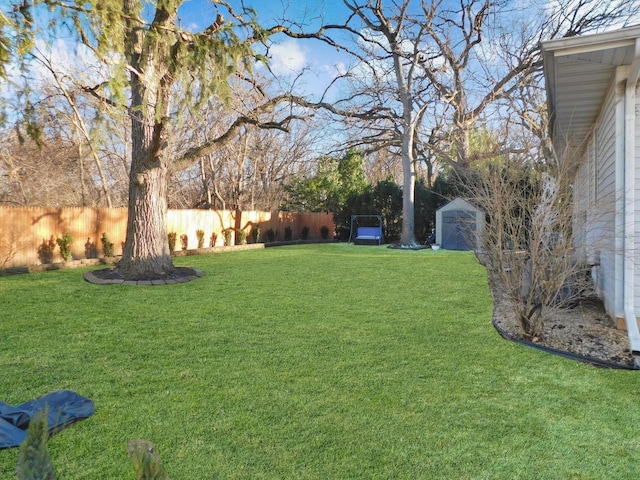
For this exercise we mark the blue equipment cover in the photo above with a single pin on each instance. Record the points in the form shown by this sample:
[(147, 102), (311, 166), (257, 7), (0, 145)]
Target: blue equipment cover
[(65, 408)]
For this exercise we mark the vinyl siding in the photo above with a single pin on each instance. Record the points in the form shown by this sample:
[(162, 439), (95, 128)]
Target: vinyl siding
[(633, 251), (601, 232), (582, 203)]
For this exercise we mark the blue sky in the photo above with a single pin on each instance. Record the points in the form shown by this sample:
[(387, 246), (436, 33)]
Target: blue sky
[(269, 11), (288, 56)]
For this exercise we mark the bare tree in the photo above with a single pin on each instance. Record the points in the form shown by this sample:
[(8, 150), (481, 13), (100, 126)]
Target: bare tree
[(527, 243), (69, 92), (516, 178), (68, 127), (247, 172), (25, 182), (389, 88), (158, 69), (66, 172), (428, 74), (490, 65)]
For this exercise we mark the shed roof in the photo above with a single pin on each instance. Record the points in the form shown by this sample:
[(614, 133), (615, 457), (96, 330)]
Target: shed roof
[(457, 204), (578, 73)]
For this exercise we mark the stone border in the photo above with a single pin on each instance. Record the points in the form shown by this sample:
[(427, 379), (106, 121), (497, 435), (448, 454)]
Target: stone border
[(182, 275)]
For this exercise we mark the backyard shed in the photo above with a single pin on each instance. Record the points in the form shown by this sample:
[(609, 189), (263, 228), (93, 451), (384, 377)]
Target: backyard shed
[(457, 225)]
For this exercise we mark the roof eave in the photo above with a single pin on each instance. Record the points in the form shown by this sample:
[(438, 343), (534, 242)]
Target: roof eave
[(574, 46)]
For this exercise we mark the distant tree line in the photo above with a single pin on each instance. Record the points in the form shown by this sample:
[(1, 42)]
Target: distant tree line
[(340, 186)]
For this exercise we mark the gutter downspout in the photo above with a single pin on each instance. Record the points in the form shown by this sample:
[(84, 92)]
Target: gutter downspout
[(629, 204)]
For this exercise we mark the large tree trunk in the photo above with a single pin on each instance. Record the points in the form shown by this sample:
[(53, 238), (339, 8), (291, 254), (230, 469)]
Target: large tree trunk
[(407, 237), (146, 253)]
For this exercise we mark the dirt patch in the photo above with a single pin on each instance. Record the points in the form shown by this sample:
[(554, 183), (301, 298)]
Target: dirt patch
[(585, 329)]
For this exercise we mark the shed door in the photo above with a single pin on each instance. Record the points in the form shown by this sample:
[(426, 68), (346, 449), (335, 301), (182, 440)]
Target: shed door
[(458, 228)]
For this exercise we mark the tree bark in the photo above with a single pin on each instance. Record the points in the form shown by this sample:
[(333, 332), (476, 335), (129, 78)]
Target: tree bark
[(407, 237), (404, 82), (146, 253)]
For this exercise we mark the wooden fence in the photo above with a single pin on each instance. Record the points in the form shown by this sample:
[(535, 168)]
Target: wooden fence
[(23, 229)]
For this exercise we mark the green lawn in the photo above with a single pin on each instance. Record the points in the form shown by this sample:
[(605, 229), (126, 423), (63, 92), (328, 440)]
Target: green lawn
[(328, 361)]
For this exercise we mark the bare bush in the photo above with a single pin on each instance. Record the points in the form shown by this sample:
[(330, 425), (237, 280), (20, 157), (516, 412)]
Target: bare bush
[(8, 247), (527, 244)]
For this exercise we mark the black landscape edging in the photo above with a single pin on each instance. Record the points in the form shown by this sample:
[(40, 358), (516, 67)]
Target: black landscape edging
[(108, 276), (596, 362), (284, 243)]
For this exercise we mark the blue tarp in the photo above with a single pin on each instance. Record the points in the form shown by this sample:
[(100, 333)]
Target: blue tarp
[(65, 408)]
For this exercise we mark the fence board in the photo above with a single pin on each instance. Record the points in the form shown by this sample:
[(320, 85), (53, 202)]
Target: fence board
[(23, 229)]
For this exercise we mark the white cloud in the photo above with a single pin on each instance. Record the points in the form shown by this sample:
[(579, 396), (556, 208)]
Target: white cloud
[(69, 61), (287, 58), (333, 70), (339, 68)]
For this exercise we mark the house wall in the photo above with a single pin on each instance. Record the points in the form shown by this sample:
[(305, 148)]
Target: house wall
[(602, 235), (634, 251), (595, 204), (601, 189), (605, 200), (582, 206)]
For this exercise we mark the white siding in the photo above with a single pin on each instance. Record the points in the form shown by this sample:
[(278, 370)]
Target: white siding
[(582, 203), (601, 232), (633, 250)]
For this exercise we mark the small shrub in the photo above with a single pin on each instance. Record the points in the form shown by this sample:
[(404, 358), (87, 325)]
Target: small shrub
[(324, 232), (287, 233), (146, 461), (8, 247), (241, 237), (65, 243), (184, 241), (107, 246), (45, 250), (200, 237), (173, 238), (271, 235), (90, 249), (34, 462), (213, 239), (305, 233), (255, 233), (228, 235)]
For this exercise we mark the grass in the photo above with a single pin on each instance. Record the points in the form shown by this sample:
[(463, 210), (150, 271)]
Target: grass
[(310, 362)]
